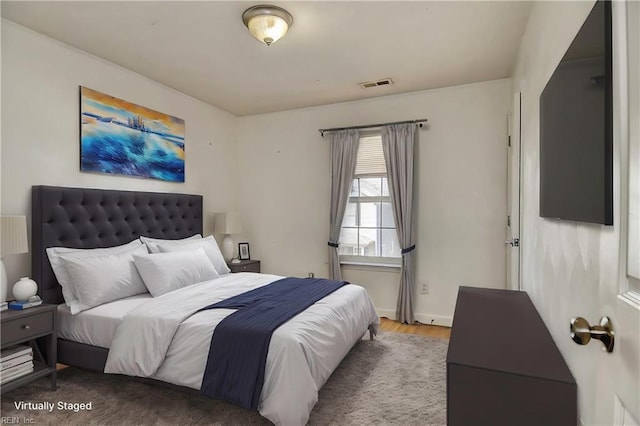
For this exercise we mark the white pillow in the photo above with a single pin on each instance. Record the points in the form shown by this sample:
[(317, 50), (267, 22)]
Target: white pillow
[(60, 271), (209, 245), (103, 278), (147, 240), (165, 272)]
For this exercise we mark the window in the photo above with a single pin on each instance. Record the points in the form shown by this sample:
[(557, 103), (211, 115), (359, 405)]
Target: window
[(368, 228)]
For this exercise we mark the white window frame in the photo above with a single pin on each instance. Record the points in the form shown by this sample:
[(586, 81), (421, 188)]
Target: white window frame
[(361, 260)]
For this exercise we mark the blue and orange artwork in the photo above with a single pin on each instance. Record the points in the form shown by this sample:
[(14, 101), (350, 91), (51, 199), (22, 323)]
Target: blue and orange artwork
[(120, 137)]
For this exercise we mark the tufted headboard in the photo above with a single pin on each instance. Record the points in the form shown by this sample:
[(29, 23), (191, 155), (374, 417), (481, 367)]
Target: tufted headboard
[(90, 218)]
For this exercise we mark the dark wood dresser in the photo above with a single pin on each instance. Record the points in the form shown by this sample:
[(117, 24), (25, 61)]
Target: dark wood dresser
[(503, 367)]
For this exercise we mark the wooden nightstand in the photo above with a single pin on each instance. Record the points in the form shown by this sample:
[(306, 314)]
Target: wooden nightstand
[(245, 266), (27, 326)]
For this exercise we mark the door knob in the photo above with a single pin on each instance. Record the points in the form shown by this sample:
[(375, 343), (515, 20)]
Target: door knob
[(582, 332)]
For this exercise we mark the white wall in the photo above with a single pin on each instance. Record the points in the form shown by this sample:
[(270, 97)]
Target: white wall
[(564, 264), (278, 172), (283, 171), (40, 140)]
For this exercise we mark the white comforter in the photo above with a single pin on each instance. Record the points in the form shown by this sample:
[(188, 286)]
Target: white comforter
[(167, 340)]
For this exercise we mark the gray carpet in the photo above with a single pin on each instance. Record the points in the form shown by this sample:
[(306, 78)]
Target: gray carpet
[(396, 379)]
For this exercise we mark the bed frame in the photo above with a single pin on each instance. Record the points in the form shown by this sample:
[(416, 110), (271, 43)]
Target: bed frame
[(92, 218)]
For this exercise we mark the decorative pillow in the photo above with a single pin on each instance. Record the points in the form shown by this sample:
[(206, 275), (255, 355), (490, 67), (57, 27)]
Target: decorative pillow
[(165, 272), (147, 240), (104, 278), (209, 245), (60, 271)]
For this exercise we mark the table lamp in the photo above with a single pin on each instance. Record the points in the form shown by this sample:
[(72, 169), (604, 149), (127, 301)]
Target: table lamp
[(227, 224), (13, 236)]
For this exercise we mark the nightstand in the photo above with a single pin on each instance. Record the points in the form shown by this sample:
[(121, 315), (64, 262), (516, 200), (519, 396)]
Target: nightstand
[(27, 326), (245, 266)]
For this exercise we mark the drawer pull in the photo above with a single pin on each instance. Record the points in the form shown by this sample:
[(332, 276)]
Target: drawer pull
[(26, 327)]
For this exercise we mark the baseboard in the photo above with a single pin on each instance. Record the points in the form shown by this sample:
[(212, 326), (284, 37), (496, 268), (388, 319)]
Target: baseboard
[(387, 313), (442, 320)]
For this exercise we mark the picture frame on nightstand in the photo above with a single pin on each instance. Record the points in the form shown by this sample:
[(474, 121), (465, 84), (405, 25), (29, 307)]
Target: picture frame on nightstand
[(243, 251)]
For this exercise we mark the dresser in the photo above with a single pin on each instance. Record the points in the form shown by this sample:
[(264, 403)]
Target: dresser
[(31, 326), (503, 367)]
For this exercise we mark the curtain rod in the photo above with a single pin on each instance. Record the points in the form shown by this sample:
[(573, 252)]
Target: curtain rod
[(367, 126)]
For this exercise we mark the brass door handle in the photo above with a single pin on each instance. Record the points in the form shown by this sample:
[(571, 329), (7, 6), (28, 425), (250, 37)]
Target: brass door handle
[(582, 332)]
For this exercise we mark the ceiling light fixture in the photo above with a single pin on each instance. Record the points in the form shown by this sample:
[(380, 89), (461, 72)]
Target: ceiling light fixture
[(267, 23)]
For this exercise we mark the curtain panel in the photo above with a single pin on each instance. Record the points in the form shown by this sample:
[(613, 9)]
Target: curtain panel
[(398, 145), (344, 150)]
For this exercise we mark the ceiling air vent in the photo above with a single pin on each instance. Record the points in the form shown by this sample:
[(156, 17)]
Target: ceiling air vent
[(382, 82)]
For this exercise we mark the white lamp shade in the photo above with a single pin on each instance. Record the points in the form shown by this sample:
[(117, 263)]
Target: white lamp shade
[(227, 223), (13, 233)]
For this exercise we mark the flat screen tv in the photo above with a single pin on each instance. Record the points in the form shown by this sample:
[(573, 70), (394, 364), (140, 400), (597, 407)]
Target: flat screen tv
[(576, 127)]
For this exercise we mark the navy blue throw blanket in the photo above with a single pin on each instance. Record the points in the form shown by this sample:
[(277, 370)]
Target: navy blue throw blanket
[(238, 352)]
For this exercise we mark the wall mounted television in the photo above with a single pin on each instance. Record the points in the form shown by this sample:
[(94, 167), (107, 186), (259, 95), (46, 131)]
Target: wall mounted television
[(576, 127)]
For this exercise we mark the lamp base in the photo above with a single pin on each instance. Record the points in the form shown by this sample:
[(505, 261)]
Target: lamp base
[(227, 247)]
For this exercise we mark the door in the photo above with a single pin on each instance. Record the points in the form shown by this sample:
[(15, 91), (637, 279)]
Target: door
[(512, 241), (617, 396)]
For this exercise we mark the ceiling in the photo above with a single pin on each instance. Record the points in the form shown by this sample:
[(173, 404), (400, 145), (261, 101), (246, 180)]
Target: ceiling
[(204, 50)]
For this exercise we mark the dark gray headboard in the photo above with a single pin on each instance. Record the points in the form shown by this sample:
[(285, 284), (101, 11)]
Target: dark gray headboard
[(90, 218)]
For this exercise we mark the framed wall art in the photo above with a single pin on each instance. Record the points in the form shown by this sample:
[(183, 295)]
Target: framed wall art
[(243, 251), (119, 137)]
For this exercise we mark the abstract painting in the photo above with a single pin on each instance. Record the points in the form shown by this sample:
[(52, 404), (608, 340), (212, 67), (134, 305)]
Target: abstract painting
[(120, 137)]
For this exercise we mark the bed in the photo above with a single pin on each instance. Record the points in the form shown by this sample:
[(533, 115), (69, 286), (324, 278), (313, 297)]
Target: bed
[(302, 354)]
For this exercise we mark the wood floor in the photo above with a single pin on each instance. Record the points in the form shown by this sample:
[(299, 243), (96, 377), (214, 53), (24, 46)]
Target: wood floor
[(420, 329)]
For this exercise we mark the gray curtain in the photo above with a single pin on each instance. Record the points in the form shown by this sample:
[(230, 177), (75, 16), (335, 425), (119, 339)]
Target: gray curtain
[(344, 150), (398, 144)]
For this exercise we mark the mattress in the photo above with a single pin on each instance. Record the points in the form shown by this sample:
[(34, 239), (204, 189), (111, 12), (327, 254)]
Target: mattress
[(96, 326)]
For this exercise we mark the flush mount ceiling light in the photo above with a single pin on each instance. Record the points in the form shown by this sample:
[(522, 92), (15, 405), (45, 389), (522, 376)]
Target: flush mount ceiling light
[(267, 23)]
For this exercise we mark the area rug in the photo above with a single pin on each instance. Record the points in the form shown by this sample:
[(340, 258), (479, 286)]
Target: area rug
[(395, 379)]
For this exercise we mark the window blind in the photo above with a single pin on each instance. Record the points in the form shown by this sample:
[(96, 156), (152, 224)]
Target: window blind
[(370, 160)]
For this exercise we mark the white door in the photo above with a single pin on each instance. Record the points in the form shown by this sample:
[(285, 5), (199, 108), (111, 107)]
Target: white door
[(617, 398), (512, 241)]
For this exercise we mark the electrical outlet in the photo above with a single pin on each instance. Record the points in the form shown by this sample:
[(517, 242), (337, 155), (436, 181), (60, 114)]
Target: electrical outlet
[(424, 287), (311, 275)]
